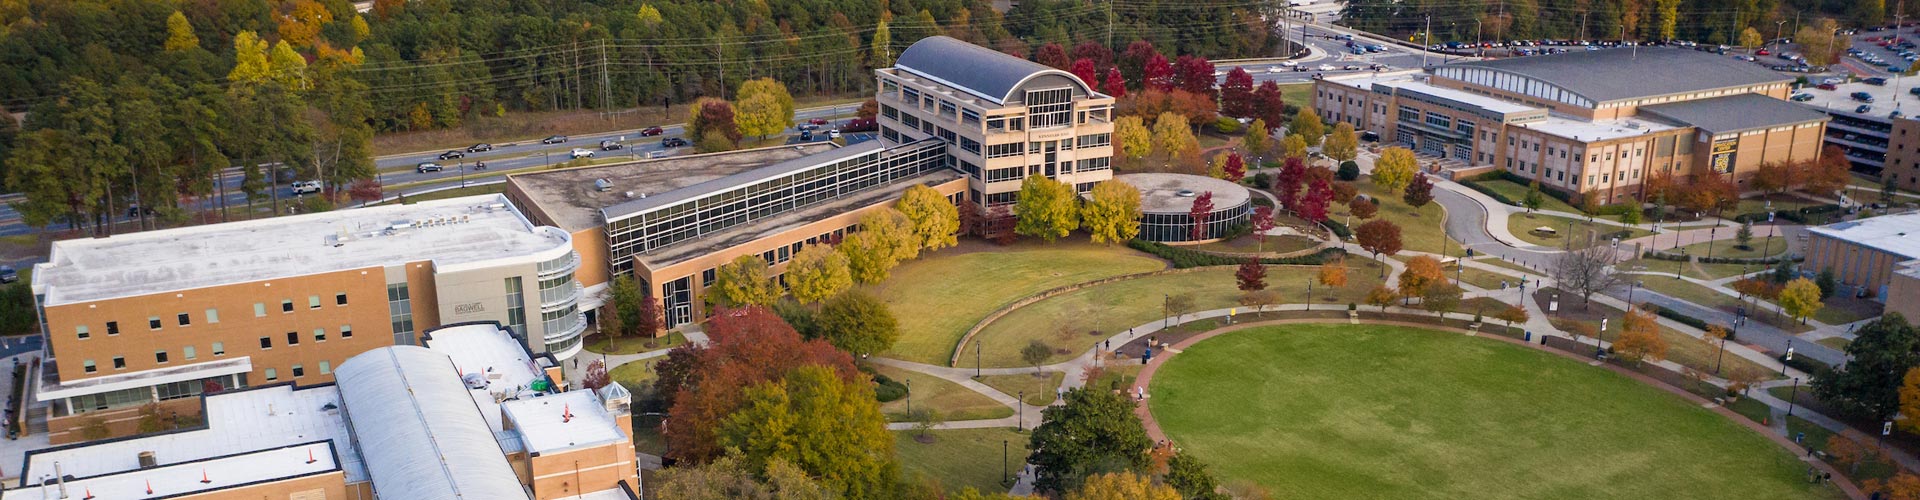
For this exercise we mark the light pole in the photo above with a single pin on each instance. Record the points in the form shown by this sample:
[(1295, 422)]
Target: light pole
[(1795, 395), (976, 359), (1020, 423), (1479, 44), (1630, 288), (1427, 48), (1788, 357), (1711, 231), (1309, 295), (909, 395), (1006, 474), (1776, 29), (1166, 311)]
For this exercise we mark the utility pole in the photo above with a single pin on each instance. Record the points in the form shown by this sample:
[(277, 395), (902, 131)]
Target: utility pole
[(606, 92), (1777, 25), (1110, 25), (1480, 44), (1427, 47)]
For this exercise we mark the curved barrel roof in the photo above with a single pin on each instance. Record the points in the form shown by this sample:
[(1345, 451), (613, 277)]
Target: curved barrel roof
[(408, 403), (985, 72), (1624, 73)]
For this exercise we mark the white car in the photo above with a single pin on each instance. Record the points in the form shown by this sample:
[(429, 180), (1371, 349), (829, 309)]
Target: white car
[(1327, 67), (1833, 81), (306, 187), (833, 134), (579, 153), (1273, 69)]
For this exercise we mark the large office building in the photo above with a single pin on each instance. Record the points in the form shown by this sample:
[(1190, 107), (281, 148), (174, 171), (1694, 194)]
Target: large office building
[(1595, 123), (1879, 140), (967, 121), (470, 414), (159, 316)]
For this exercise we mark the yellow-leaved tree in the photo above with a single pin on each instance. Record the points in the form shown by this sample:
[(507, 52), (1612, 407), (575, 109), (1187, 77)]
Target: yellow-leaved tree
[(1131, 136), (1394, 169), (744, 282), (818, 273), (1800, 299), (1640, 337), (1113, 213), (935, 221), (180, 35)]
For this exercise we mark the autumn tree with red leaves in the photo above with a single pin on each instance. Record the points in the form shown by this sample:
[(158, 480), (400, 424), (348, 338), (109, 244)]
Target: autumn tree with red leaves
[(1084, 69), (1419, 192), (1262, 221), (1236, 94), (1053, 55), (1195, 74), (1115, 85), (1094, 51), (1378, 237), (1286, 186), (1202, 206), (1313, 207), (1252, 276), (746, 347), (1270, 105), (1157, 73), (1236, 167)]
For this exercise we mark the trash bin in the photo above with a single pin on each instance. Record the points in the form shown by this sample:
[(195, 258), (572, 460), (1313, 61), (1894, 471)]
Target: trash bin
[(1528, 336)]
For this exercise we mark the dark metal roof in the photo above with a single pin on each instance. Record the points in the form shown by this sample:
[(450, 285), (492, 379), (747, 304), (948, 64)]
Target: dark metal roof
[(985, 72), (1620, 73), (1735, 113)]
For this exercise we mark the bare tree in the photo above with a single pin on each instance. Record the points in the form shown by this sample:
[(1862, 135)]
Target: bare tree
[(1587, 270)]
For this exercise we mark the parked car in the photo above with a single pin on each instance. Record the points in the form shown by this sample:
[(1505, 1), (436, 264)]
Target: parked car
[(674, 142), (1914, 91), (817, 121), (1802, 97), (1862, 97), (8, 275), (449, 155), (1833, 81), (554, 139), (1351, 67), (305, 187), (1326, 67), (1762, 52), (427, 166), (833, 134), (611, 145), (806, 135), (1863, 109), (1875, 81), (651, 131), (479, 147), (859, 125), (1826, 86), (578, 153)]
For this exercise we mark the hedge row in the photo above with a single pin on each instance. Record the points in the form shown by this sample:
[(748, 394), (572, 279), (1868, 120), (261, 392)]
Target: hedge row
[(1799, 216), (1812, 366), (1184, 258), (1672, 257), (1475, 185), (1685, 319), (1339, 229)]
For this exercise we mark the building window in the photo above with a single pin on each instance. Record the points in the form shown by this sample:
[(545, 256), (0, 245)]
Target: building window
[(220, 348), (340, 299), (1005, 174), (88, 366), (185, 319), (707, 277), (400, 308), (1050, 108), (81, 331), (213, 316), (516, 306), (1095, 140), (259, 310), (160, 357), (293, 338), (119, 363), (153, 322), (286, 306), (319, 335), (1003, 150), (326, 368), (299, 371), (266, 343), (313, 302), (113, 328), (273, 374), (346, 331), (188, 353)]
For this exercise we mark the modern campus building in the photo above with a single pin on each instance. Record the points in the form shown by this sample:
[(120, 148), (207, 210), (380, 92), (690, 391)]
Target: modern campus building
[(1166, 206), (473, 415), (1869, 254), (967, 121), (1598, 121), (1879, 141), (160, 316)]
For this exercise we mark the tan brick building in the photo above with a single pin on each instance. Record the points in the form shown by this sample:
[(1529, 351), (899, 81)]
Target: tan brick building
[(1599, 122), (161, 316), (1865, 255), (473, 415)]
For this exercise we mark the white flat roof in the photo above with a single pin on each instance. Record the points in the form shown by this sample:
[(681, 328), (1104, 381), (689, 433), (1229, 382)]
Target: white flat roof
[(239, 422), (574, 419), (1411, 80), (450, 231), (1599, 130), (144, 378), (1895, 234), (186, 478), (499, 361), (1840, 100)]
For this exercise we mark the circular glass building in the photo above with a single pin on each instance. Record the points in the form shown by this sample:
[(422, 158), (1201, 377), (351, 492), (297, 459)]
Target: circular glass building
[(1166, 206)]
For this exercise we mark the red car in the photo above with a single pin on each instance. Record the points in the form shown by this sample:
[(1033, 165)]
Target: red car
[(818, 121), (651, 131), (1762, 52), (1826, 86)]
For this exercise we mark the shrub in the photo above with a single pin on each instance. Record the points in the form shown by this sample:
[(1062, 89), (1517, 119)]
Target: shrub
[(888, 390), (1227, 125), (1349, 171), (1812, 366), (1262, 180), (1339, 229), (1183, 258)]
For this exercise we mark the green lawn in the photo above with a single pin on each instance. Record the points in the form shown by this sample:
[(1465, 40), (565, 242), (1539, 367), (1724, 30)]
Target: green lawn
[(1522, 226), (1250, 245), (1701, 295), (1498, 262), (1038, 390), (1684, 349), (1518, 192), (1482, 278), (1781, 203), (962, 458), (954, 401), (1838, 343), (604, 344), (636, 376), (1298, 95), (1730, 249), (939, 296), (1694, 269), (1338, 411), (1064, 321), (1420, 230)]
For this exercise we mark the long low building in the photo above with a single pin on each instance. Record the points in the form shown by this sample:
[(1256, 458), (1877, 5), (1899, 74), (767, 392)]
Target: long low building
[(1596, 123), (472, 414), (1866, 256), (155, 317)]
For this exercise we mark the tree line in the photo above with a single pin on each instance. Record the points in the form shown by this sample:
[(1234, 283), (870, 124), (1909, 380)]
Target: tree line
[(1704, 21)]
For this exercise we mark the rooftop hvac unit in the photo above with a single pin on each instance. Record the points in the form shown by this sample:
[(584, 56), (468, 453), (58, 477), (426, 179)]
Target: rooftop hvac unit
[(148, 460)]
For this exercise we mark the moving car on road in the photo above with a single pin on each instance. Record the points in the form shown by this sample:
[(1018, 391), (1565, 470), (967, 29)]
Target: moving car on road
[(452, 154), (651, 131), (674, 142), (555, 139), (611, 145), (578, 153), (427, 166), (479, 147), (305, 187)]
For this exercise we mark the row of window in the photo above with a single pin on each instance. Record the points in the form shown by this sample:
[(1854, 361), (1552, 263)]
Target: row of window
[(189, 353), (84, 332)]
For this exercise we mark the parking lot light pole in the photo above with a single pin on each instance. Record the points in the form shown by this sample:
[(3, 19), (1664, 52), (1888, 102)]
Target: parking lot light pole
[(1795, 395)]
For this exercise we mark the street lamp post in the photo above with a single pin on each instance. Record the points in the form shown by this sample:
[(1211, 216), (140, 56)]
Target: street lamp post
[(1309, 295), (1020, 423), (1711, 231), (1006, 474), (1795, 395), (1776, 29), (909, 395), (976, 359), (1789, 356), (1630, 288)]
